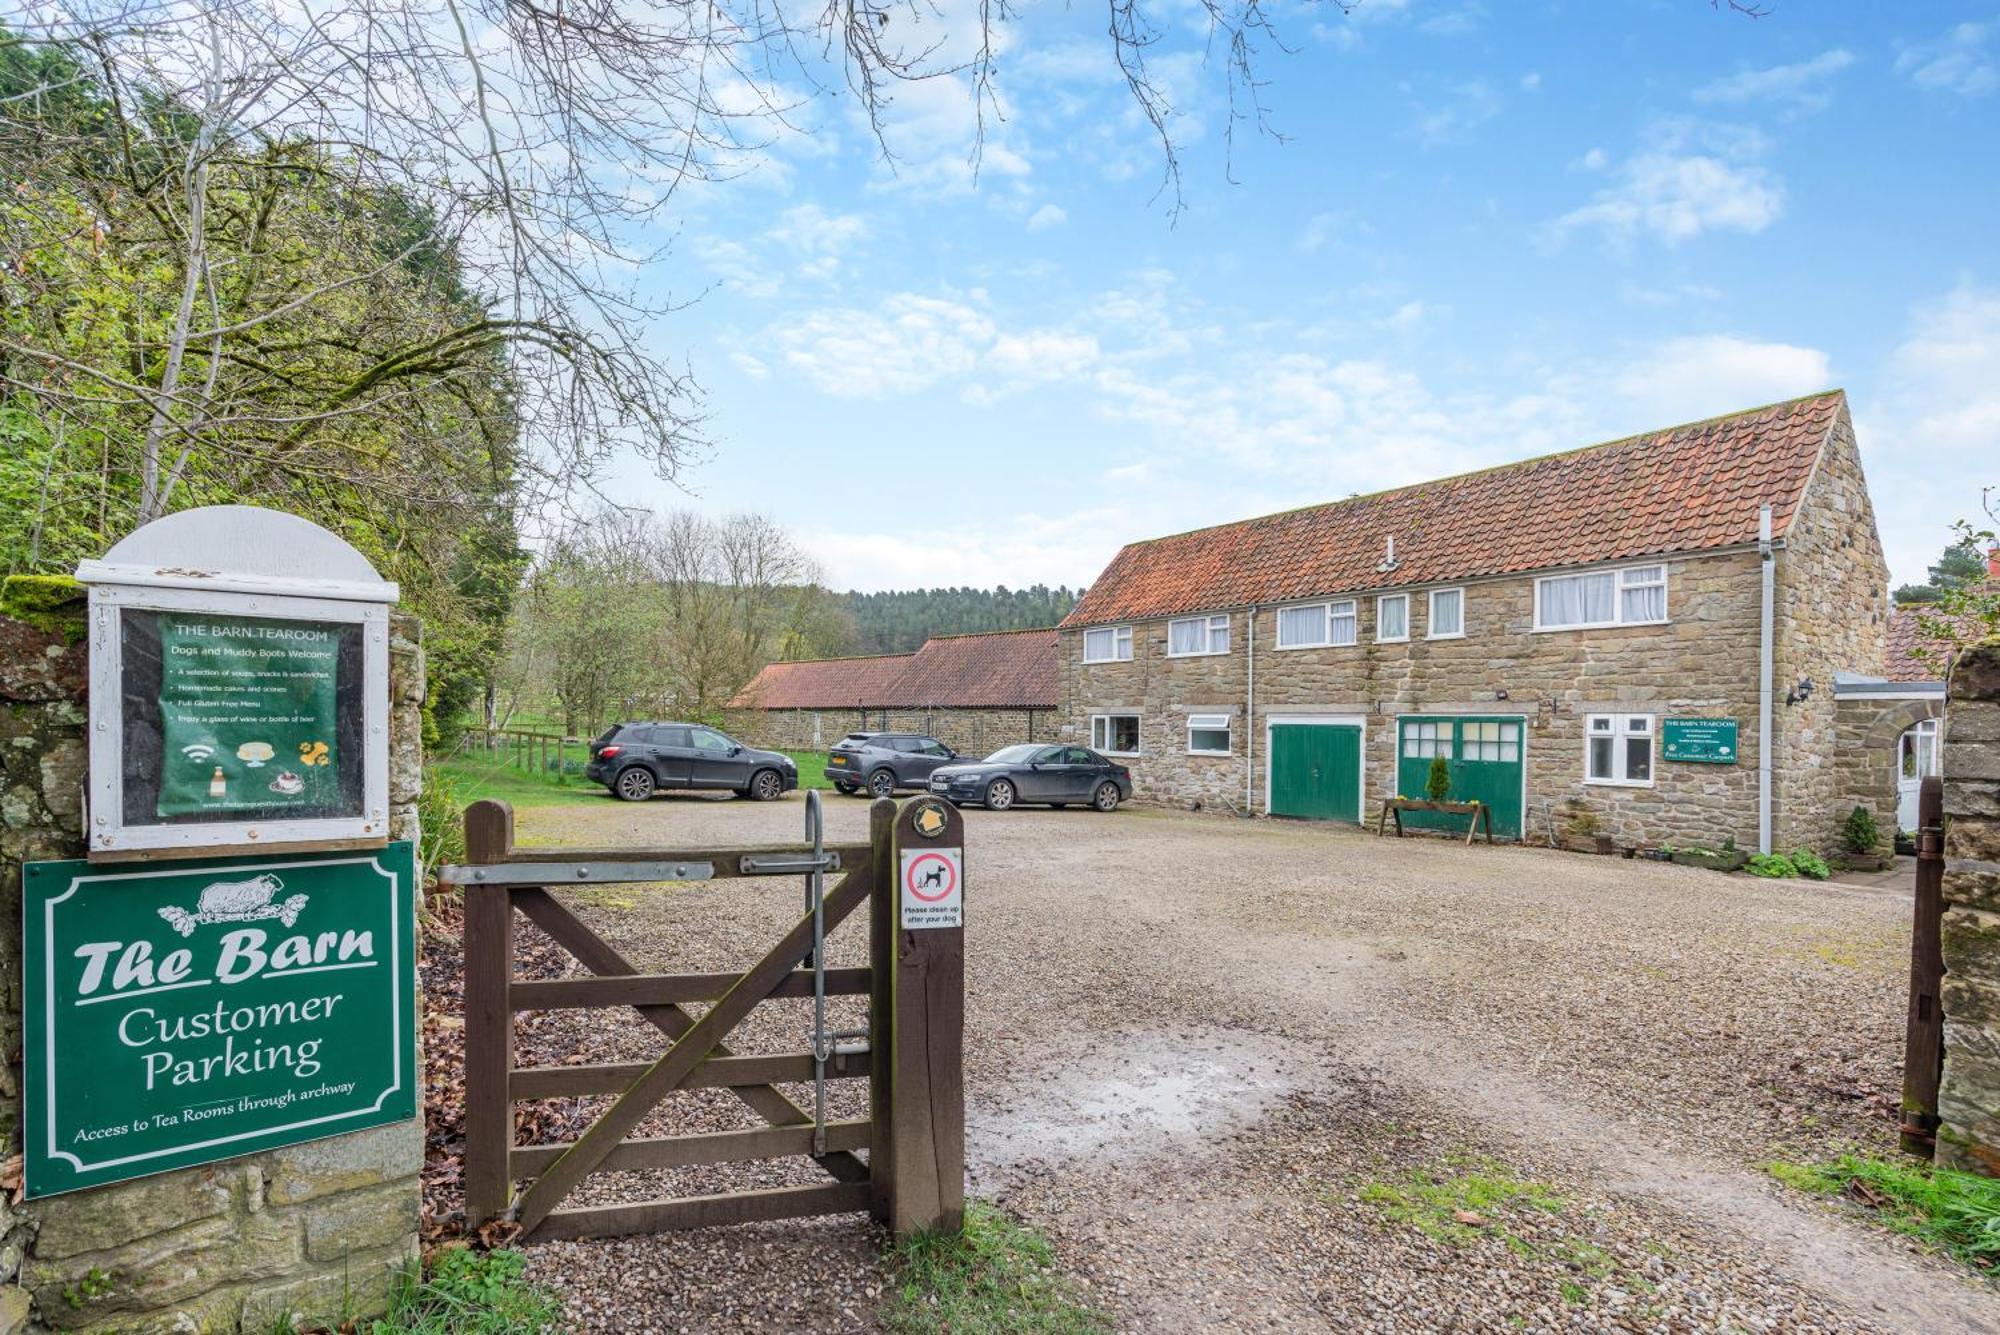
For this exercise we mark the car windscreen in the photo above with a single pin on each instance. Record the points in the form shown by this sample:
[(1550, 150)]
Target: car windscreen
[(1015, 755)]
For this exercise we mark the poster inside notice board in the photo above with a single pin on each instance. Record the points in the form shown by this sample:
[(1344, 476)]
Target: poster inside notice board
[(234, 718)]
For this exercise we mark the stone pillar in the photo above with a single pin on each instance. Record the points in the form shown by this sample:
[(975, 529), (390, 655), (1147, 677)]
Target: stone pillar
[(1969, 1101), (312, 1234)]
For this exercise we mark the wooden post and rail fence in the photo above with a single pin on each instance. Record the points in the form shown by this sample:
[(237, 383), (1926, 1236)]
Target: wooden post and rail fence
[(911, 1055), (526, 749)]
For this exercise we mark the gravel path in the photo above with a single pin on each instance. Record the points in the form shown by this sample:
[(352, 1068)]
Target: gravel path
[(1218, 1060)]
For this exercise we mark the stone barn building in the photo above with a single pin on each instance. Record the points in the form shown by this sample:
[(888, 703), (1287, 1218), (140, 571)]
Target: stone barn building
[(1594, 642), (974, 693)]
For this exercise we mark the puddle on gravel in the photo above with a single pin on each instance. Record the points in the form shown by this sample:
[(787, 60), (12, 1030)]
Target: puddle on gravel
[(1133, 1094)]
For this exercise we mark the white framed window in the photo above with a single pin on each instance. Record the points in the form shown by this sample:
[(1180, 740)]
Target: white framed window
[(1208, 735), (1489, 740), (1392, 617), (1447, 621), (1634, 596), (1115, 734), (1316, 625), (1193, 637), (1618, 749), (1423, 740), (1108, 644)]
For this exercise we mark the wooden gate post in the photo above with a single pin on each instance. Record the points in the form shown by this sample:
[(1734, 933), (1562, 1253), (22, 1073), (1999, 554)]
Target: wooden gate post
[(881, 1003), (926, 1160), (489, 1017), (1923, 1047)]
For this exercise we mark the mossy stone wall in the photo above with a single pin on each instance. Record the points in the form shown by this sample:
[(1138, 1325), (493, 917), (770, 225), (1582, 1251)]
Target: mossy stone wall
[(312, 1234), (1969, 1101)]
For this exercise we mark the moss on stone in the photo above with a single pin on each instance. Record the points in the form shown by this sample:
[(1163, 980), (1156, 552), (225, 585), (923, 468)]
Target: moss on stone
[(53, 604)]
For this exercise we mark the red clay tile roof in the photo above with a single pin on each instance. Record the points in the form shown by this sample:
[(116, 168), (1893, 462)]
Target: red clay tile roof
[(823, 683), (1014, 669), (1009, 669), (1688, 488), (1914, 655)]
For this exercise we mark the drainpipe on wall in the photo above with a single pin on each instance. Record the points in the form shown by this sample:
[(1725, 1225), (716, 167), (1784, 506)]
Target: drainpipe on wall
[(1767, 558), (1250, 721)]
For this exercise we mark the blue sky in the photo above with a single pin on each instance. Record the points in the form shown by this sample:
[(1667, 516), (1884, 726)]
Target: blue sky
[(1489, 232)]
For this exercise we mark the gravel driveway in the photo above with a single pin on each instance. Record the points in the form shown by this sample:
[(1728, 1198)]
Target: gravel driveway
[(1253, 1075)]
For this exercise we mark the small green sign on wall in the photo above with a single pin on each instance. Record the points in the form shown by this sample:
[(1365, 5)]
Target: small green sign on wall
[(180, 1014), (1700, 741)]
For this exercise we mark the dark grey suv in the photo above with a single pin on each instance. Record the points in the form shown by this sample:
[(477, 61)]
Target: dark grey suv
[(636, 760), (882, 762)]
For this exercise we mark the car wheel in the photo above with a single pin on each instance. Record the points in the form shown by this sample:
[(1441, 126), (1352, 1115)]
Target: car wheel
[(765, 786), (1106, 798), (999, 795), (848, 789), (882, 783), (634, 783)]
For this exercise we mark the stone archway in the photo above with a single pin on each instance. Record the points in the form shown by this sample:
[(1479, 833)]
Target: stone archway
[(1871, 729)]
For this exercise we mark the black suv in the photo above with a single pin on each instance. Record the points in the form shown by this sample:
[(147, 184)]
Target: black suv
[(882, 762), (636, 760)]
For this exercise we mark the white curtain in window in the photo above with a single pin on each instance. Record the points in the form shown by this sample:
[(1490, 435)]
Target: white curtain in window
[(1187, 637), (1301, 625), (1645, 602), (1342, 624), (1218, 635), (1579, 600), (1392, 617), (1447, 612)]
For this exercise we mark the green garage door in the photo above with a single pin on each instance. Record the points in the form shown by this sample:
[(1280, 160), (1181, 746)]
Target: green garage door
[(1487, 757), (1316, 771)]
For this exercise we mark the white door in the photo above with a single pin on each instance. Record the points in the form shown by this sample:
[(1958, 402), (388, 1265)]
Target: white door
[(1916, 759)]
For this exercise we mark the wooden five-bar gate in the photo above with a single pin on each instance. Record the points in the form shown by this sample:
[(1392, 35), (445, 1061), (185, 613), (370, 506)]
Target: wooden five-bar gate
[(910, 1052)]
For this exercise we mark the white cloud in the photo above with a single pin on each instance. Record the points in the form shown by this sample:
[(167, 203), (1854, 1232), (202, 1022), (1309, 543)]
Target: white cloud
[(1531, 82), (1047, 216), (1691, 179), (1805, 86), (906, 344), (1454, 114), (1933, 440), (1959, 62), (1014, 550), (750, 366), (1685, 379)]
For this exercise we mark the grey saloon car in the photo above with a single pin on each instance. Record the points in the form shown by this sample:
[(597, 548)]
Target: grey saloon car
[(1030, 772), (882, 762), (636, 760)]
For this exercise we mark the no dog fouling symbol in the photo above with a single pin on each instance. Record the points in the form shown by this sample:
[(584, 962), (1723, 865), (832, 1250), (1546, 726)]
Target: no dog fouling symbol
[(933, 888)]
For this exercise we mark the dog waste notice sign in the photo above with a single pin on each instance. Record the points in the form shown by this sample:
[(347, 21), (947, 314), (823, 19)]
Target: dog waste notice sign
[(180, 1014), (933, 888), (247, 714)]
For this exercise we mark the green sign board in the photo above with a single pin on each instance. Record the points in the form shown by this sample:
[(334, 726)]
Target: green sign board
[(1701, 741), (182, 1013), (247, 715)]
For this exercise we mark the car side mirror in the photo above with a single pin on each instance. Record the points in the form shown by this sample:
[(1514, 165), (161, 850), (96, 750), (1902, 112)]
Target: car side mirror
[(735, 750)]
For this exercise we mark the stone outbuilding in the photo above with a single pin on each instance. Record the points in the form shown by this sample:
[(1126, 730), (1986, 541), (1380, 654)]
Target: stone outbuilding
[(1597, 641), (975, 693)]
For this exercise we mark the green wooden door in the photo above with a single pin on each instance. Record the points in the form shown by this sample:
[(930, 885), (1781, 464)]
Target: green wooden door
[(1316, 771), (1487, 757)]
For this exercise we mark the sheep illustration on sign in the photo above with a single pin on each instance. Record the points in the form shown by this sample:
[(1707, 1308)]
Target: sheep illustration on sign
[(237, 901)]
